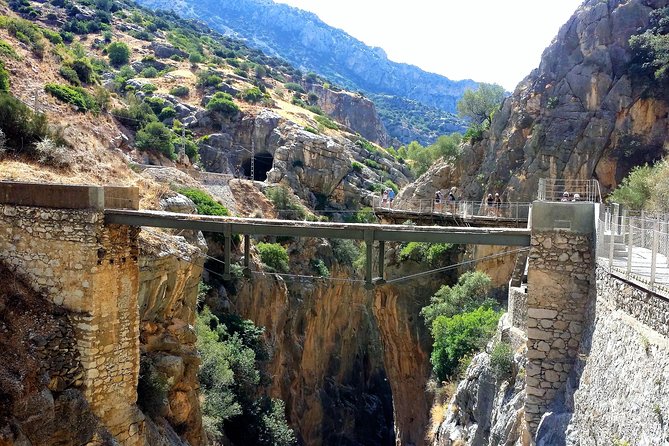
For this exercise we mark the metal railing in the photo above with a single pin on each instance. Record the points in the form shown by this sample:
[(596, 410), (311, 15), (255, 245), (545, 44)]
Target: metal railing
[(464, 209), (636, 247), (552, 189)]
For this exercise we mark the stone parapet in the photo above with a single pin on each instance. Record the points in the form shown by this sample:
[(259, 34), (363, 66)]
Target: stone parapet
[(643, 305), (518, 307)]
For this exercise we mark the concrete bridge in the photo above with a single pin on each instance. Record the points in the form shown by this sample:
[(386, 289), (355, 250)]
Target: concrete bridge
[(78, 245)]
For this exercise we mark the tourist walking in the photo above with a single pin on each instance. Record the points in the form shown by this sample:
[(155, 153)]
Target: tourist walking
[(498, 205)]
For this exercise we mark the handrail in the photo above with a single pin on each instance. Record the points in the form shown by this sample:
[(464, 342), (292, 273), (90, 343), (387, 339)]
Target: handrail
[(553, 189), (463, 209)]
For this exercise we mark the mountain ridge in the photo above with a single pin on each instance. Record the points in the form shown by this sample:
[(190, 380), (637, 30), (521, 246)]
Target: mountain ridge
[(309, 43)]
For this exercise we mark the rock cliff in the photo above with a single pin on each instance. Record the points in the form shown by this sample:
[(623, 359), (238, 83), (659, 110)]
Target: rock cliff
[(351, 364), (581, 114)]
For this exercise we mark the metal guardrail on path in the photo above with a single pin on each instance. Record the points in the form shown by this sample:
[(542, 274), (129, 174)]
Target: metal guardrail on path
[(553, 189), (463, 209), (635, 247)]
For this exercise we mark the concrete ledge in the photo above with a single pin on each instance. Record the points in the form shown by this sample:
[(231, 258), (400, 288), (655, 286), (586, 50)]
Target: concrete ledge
[(121, 197), (60, 196)]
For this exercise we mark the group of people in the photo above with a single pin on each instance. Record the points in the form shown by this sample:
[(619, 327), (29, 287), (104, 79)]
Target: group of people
[(439, 200), (387, 197), (493, 205), (566, 196)]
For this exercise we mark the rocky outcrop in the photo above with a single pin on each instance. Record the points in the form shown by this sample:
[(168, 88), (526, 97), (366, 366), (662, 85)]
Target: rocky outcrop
[(440, 176), (352, 110), (311, 165), (581, 114), (170, 270), (41, 402), (351, 364), (487, 409)]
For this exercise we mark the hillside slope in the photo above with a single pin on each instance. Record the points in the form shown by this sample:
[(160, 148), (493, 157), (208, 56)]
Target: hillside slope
[(308, 43)]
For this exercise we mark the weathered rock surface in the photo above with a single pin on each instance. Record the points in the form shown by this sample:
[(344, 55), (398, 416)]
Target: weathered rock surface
[(579, 115), (354, 111), (170, 270), (351, 364), (311, 165)]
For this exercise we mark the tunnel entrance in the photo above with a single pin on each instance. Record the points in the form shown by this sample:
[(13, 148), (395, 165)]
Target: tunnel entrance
[(262, 164)]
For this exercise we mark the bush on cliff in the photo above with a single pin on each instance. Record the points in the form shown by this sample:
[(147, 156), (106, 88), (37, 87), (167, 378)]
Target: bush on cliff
[(204, 203), (460, 335), (22, 128), (471, 291), (274, 255), (230, 379)]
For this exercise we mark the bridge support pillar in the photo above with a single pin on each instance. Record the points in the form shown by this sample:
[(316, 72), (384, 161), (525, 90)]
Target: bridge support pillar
[(560, 285), (57, 242), (247, 256)]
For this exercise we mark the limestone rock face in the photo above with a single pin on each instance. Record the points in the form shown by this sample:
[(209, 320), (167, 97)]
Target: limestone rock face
[(311, 165), (170, 270), (579, 115), (351, 364), (440, 176), (354, 111)]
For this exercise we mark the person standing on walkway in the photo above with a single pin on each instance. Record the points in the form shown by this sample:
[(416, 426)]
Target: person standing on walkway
[(498, 205), (489, 201), (384, 198), (391, 196), (437, 201), (452, 200)]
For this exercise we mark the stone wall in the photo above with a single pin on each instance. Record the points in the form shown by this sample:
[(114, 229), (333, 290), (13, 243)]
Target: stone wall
[(90, 270), (622, 396), (517, 307), (560, 279)]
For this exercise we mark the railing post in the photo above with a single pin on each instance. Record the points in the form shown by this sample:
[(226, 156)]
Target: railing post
[(642, 223), (654, 255), (630, 246), (369, 245), (247, 255), (611, 245), (616, 216), (382, 259)]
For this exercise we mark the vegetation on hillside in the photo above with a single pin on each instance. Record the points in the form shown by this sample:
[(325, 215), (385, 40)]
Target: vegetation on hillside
[(420, 158), (478, 107), (645, 188), (650, 54), (231, 375)]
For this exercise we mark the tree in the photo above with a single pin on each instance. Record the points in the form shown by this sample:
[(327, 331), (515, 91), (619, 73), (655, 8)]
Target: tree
[(119, 53), (471, 291), (156, 136), (480, 105)]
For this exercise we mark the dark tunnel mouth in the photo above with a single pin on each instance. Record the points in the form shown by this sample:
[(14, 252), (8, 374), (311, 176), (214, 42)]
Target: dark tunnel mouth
[(262, 164)]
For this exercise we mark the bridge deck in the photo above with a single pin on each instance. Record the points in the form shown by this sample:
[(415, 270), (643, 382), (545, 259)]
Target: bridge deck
[(354, 231)]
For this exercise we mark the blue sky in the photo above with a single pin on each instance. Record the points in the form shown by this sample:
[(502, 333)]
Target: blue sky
[(497, 41)]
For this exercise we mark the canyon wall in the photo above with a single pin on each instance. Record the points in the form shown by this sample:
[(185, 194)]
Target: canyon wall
[(583, 113)]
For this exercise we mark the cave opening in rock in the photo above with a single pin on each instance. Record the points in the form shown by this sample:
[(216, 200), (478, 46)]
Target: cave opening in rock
[(262, 164)]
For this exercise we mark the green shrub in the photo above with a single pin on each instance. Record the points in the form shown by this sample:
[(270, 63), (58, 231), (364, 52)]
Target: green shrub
[(137, 114), (119, 53), (413, 251), (356, 166), (180, 91), (4, 78), (222, 103), (286, 204), (345, 251), (76, 96), (372, 164), (155, 136), (460, 335), (195, 58), (312, 130), (438, 253), (167, 113), (472, 291), (251, 95), (321, 268), (636, 188), (149, 72), (501, 360), (204, 203), (326, 122), (7, 51), (274, 256), (149, 88), (28, 33), (292, 86), (84, 69), (67, 73), (364, 215), (22, 127)]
